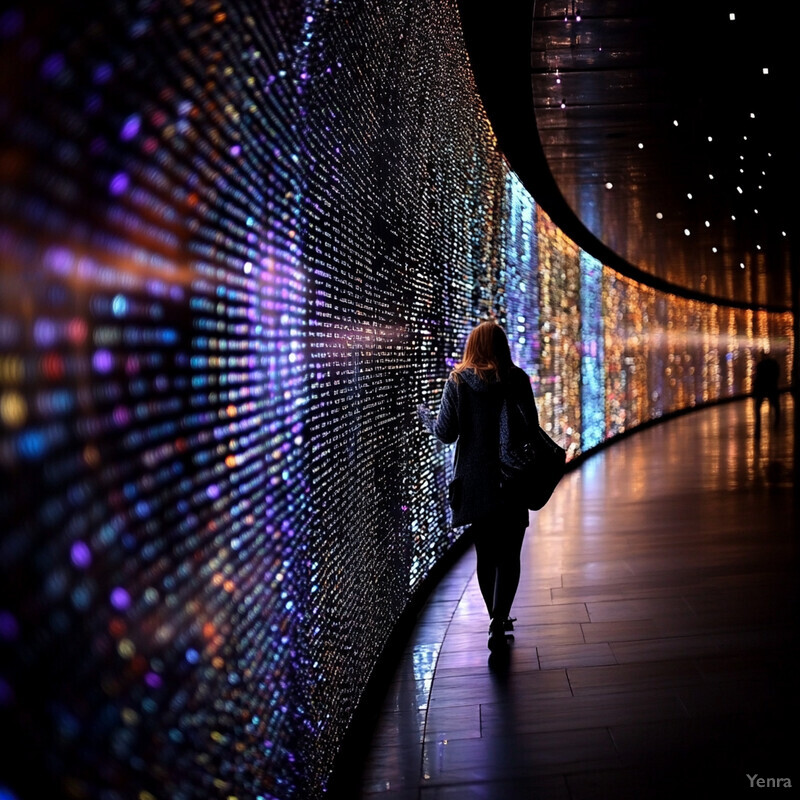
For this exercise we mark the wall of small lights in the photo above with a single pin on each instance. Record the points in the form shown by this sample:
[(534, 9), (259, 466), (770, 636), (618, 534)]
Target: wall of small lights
[(240, 243)]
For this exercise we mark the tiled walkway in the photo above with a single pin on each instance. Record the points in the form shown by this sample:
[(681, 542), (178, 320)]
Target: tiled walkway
[(655, 652)]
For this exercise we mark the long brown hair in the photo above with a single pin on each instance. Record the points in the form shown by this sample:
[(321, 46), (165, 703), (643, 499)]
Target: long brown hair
[(486, 352)]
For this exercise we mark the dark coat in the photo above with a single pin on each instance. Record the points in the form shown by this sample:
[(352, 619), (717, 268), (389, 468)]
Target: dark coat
[(767, 377), (470, 416)]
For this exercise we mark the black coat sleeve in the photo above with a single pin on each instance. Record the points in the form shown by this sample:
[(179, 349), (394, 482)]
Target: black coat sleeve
[(446, 425)]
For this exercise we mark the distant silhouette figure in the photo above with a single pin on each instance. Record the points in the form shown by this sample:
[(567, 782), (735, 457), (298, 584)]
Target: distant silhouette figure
[(765, 387)]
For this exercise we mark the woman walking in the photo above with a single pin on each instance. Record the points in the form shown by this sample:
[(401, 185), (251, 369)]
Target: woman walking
[(469, 415)]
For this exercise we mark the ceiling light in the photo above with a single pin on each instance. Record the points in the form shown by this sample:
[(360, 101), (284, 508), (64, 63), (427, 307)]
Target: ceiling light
[(609, 185), (659, 215), (732, 16), (708, 224), (765, 70), (689, 195), (687, 232), (713, 249)]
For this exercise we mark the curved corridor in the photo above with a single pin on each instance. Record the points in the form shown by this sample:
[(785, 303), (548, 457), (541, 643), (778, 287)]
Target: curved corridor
[(655, 642)]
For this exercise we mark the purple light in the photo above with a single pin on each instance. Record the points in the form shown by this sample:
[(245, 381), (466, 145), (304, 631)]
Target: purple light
[(11, 23), (59, 260), (53, 65), (81, 555), (6, 699), (130, 128), (9, 627), (153, 680), (120, 599), (44, 332), (119, 183), (122, 416), (103, 73), (102, 361)]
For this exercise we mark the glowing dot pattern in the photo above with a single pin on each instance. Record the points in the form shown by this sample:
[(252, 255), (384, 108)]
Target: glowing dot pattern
[(240, 244)]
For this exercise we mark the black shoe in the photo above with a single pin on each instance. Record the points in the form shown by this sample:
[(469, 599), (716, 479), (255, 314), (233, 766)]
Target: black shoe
[(508, 623), (497, 635)]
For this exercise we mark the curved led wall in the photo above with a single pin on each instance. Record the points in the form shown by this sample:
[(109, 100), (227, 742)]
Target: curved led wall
[(240, 243)]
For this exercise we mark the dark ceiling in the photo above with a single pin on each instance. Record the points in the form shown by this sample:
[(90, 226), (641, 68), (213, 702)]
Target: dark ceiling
[(651, 134)]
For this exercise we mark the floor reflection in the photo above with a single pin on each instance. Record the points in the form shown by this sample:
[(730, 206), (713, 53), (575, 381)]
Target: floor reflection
[(655, 643)]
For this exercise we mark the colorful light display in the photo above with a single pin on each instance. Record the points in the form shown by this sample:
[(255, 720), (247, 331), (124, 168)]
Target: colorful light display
[(240, 243)]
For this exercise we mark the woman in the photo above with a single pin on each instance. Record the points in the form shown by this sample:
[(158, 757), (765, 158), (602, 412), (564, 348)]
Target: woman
[(470, 416)]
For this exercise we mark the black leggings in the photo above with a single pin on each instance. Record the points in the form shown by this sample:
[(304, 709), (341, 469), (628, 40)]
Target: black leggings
[(498, 544)]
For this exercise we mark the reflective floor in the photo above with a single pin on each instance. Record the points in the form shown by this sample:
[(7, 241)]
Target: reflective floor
[(655, 651)]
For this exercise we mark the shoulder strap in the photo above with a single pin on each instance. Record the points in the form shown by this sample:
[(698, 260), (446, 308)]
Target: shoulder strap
[(512, 400)]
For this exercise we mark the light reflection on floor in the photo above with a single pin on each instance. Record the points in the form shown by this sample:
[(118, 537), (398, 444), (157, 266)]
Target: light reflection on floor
[(655, 617)]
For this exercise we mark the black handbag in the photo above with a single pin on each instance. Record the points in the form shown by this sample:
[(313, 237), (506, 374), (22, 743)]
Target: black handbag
[(531, 463)]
